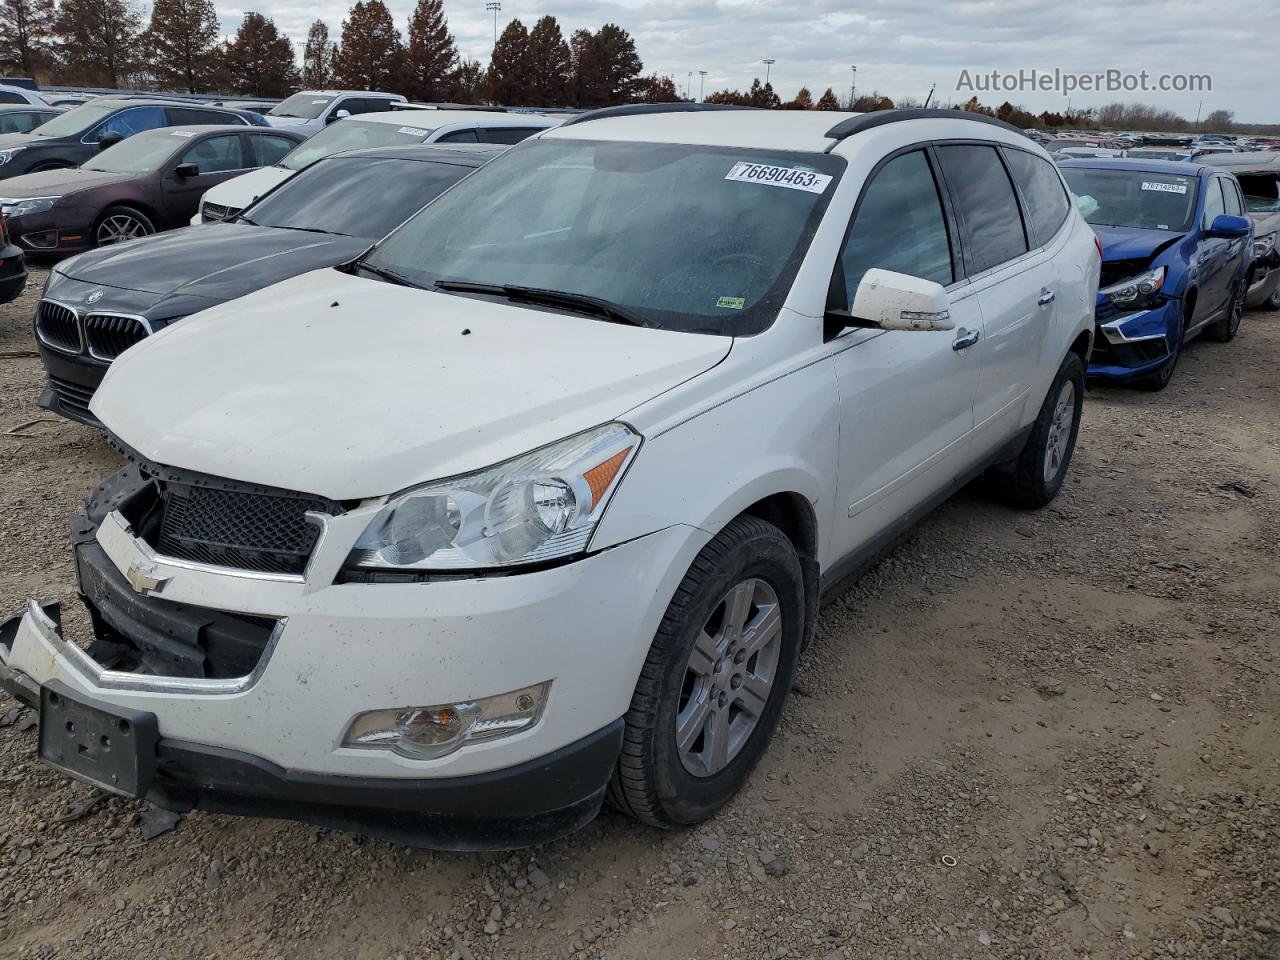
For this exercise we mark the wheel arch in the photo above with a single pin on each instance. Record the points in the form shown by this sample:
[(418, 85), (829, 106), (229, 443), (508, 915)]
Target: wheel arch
[(131, 205)]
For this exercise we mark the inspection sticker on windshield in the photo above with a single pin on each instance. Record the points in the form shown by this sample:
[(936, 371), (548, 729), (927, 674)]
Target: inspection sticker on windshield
[(1164, 187), (793, 178), (413, 131)]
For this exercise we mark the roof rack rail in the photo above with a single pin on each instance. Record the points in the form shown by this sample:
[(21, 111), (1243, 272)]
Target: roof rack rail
[(642, 109), (866, 121)]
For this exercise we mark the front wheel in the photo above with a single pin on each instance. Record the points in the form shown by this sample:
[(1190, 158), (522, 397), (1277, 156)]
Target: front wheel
[(1225, 330), (1272, 302), (1040, 469), (712, 688), (119, 224)]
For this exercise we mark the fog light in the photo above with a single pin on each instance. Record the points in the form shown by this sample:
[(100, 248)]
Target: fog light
[(425, 733)]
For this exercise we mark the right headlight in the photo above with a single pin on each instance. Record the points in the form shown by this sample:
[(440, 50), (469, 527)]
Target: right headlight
[(7, 155), (540, 506), (1136, 291)]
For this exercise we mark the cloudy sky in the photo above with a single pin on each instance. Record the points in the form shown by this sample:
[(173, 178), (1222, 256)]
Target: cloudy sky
[(900, 47)]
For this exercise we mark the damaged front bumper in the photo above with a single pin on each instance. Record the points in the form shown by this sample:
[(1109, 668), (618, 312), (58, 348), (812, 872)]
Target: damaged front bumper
[(1134, 344), (251, 680)]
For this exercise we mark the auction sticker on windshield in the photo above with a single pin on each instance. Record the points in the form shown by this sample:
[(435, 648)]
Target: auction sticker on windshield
[(793, 178), (1164, 187), (413, 131)]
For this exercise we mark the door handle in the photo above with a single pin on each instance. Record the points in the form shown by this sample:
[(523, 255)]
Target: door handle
[(965, 340), (1046, 298)]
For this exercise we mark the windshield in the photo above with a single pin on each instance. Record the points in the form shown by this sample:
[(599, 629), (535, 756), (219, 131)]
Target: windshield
[(355, 196), (690, 238), (1132, 198), (76, 120), (352, 134), (141, 153), (301, 106)]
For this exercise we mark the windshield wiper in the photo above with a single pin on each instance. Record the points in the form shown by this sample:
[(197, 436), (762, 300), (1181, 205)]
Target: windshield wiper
[(581, 302), (389, 275)]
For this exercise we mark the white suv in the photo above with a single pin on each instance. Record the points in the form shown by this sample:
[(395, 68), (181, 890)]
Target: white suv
[(534, 504), (391, 128)]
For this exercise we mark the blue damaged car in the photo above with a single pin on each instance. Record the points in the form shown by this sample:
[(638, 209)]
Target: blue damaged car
[(1176, 251)]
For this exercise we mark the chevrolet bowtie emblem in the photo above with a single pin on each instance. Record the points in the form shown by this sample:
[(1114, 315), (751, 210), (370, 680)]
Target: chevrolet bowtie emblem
[(142, 577)]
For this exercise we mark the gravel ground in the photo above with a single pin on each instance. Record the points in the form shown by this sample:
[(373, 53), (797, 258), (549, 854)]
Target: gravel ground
[(1047, 734)]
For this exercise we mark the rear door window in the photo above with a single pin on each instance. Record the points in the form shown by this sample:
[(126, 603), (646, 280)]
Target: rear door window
[(8, 96), (987, 206), (506, 134), (268, 150), (193, 116), (458, 136), (1042, 192), (899, 226)]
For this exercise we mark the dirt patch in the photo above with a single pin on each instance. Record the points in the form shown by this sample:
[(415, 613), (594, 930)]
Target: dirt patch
[(1022, 735)]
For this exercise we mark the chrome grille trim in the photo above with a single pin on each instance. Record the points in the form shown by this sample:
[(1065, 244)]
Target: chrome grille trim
[(54, 324), (110, 334)]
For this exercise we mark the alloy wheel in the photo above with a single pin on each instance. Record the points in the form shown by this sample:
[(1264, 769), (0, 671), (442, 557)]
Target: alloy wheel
[(1059, 439), (729, 677), (120, 227)]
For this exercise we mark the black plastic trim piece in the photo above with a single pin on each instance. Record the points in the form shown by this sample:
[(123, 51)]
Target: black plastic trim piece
[(644, 109), (867, 121)]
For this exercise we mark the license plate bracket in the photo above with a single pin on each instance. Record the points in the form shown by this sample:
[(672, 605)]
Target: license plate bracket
[(107, 746)]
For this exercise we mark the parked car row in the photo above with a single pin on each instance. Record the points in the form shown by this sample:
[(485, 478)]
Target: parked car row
[(528, 504)]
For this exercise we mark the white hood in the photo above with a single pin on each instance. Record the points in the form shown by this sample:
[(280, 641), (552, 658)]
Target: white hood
[(351, 388), (241, 191)]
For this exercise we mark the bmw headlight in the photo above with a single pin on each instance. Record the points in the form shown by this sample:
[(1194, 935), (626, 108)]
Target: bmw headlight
[(541, 506), (7, 155), (1136, 291), (23, 208), (1263, 246)]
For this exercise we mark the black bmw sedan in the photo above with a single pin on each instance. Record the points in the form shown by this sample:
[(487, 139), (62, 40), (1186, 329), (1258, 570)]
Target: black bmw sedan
[(98, 304)]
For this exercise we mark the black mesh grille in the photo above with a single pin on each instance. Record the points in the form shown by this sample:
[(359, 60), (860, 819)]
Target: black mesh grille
[(57, 326), (240, 528), (72, 395), (109, 336), (213, 212)]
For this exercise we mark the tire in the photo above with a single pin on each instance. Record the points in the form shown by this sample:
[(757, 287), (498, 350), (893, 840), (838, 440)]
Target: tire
[(1162, 377), (1225, 330), (118, 224), (655, 780), (1041, 467), (1272, 302)]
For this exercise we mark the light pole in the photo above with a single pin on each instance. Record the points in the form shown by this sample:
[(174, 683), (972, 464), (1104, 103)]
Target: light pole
[(853, 91), (768, 66), (688, 87), (702, 86), (494, 6)]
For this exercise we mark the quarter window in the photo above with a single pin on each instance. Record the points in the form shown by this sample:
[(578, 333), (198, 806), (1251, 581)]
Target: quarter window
[(1042, 191), (988, 207), (1231, 196), (899, 226)]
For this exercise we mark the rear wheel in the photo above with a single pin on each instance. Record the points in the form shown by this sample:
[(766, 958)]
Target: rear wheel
[(712, 688), (118, 224), (1040, 469), (1225, 330)]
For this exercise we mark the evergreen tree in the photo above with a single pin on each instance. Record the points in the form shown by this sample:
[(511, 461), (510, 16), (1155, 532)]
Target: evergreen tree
[(828, 101), (317, 57), (369, 56), (183, 44), (762, 95), (431, 56), (803, 101), (26, 35), (654, 89), (468, 83), (259, 60), (509, 73), (98, 42), (605, 66), (550, 66)]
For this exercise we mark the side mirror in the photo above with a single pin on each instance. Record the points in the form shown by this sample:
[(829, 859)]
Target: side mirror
[(897, 301), (184, 170), (338, 115), (1228, 227), (110, 139)]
